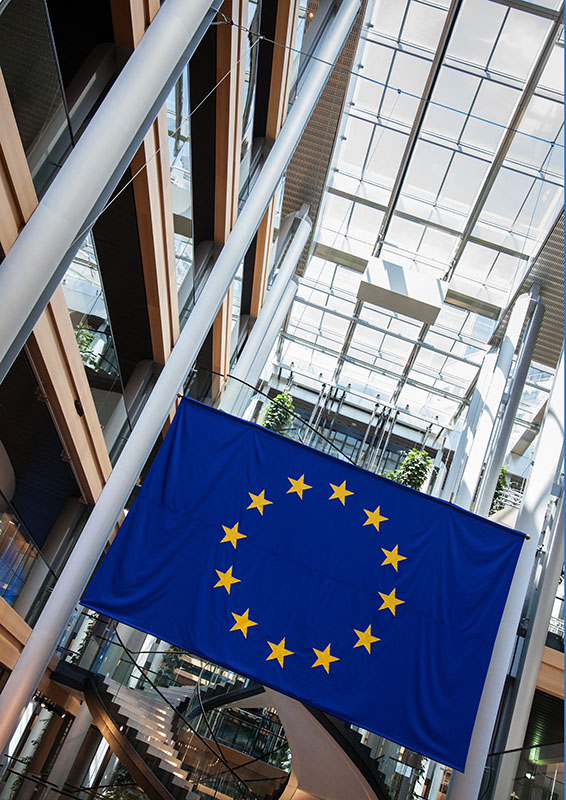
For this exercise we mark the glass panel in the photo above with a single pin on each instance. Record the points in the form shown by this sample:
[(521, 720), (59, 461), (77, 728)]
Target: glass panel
[(423, 25), (84, 294), (476, 31), (519, 44), (29, 66)]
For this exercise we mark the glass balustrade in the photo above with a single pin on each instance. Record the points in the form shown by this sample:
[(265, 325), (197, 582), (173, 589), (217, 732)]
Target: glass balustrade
[(25, 577), (532, 773), (157, 697)]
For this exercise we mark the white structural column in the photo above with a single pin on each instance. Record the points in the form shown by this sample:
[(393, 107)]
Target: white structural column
[(43, 640), (499, 450), (475, 408), (70, 750), (486, 423), (30, 746), (40, 255), (548, 456), (263, 334), (532, 655)]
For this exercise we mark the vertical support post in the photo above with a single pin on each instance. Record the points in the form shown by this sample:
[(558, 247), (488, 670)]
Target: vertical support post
[(273, 305), (532, 655), (495, 460), (549, 453), (477, 402), (466, 491), (70, 750)]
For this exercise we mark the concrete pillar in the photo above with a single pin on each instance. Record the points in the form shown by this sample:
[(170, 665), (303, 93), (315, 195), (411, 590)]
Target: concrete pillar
[(488, 416), (26, 753), (548, 456), (532, 655), (69, 750)]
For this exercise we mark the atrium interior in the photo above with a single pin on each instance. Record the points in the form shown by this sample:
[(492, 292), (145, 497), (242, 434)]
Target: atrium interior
[(341, 220)]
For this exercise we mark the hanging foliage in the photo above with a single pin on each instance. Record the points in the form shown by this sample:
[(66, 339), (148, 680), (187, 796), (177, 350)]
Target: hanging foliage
[(413, 471), (498, 502), (278, 415)]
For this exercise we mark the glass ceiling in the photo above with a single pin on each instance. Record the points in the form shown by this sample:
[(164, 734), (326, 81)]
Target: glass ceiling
[(445, 190)]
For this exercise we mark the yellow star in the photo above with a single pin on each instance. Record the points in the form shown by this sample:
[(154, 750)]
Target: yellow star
[(232, 535), (298, 486), (340, 492), (393, 557), (365, 639), (243, 622), (259, 501), (323, 657), (278, 651), (225, 579), (374, 518), (389, 601)]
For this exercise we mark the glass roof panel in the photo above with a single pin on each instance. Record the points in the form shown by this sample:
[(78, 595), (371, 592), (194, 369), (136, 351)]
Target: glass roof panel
[(423, 24), (476, 31), (506, 197), (437, 245), (404, 234), (386, 157), (454, 93), (463, 181), (376, 61), (409, 74), (356, 138), (387, 16), (553, 75), (491, 112), (427, 170), (519, 43)]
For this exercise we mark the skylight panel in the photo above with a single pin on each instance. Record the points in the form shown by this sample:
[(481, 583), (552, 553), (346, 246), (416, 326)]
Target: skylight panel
[(386, 157), (387, 17), (519, 43), (427, 170), (463, 182), (423, 25), (506, 197), (491, 112), (476, 31), (553, 75), (437, 245)]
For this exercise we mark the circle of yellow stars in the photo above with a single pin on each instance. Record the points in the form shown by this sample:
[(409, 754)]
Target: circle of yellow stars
[(242, 622)]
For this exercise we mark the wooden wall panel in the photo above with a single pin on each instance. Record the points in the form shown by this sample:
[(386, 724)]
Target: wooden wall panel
[(551, 674), (230, 68), (52, 347), (152, 193), (285, 27)]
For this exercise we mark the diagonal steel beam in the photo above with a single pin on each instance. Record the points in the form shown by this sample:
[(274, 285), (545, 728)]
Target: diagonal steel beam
[(418, 121), (507, 140)]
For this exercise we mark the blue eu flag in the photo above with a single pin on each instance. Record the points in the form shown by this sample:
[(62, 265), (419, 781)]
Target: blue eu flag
[(338, 587)]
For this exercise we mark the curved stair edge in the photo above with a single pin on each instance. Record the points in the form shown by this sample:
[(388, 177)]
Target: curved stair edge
[(119, 744), (350, 744)]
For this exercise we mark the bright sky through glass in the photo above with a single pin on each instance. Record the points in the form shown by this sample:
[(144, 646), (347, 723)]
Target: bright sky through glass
[(468, 191)]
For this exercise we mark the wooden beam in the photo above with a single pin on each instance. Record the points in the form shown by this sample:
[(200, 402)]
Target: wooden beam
[(285, 26), (551, 674), (230, 69), (152, 195), (52, 347)]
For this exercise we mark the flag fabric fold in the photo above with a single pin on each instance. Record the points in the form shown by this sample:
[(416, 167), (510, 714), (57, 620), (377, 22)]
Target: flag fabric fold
[(343, 589)]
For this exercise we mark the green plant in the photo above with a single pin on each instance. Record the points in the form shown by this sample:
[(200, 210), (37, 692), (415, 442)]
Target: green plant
[(413, 471), (122, 786), (84, 336), (497, 502), (171, 661), (279, 413)]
